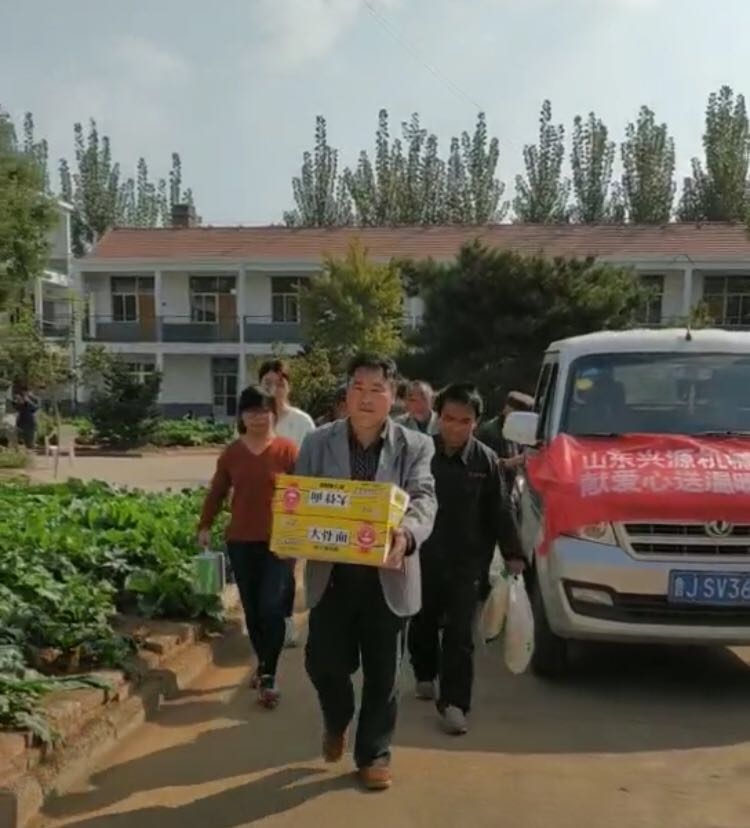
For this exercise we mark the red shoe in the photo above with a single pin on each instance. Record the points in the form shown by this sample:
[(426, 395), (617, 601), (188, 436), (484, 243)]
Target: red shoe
[(334, 745)]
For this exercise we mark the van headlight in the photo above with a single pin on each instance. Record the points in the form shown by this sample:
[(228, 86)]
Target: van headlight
[(597, 533)]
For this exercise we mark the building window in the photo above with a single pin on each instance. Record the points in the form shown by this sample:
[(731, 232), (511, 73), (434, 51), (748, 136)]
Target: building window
[(125, 293), (285, 292), (727, 299), (224, 378), (204, 296), (651, 310), (139, 371)]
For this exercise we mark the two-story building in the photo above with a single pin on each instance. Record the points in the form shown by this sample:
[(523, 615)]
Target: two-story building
[(54, 297), (202, 305)]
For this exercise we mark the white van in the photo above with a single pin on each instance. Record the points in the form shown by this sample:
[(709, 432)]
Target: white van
[(612, 582)]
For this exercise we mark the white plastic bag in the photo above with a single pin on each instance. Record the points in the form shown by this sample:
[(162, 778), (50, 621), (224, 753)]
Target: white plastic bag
[(519, 627), (494, 610)]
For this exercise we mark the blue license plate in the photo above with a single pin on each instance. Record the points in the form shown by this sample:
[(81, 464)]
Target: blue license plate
[(713, 588)]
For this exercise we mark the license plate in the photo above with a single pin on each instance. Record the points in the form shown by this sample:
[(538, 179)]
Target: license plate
[(714, 588)]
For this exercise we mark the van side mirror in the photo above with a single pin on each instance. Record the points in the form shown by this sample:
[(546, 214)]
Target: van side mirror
[(521, 427)]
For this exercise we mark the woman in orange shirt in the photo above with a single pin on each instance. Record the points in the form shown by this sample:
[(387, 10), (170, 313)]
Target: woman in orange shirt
[(248, 466)]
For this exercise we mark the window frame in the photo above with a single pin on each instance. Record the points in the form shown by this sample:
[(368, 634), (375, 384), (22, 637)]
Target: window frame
[(289, 298)]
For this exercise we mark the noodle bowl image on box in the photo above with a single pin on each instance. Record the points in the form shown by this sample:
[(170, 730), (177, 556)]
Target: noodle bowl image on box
[(343, 521)]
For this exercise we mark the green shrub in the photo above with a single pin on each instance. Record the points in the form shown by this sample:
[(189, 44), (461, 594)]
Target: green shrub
[(124, 411), (191, 433), (13, 459)]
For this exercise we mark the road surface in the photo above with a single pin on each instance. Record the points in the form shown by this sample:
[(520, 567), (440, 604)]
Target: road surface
[(639, 739)]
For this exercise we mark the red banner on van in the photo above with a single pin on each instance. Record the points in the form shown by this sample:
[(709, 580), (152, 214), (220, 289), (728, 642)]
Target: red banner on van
[(640, 478)]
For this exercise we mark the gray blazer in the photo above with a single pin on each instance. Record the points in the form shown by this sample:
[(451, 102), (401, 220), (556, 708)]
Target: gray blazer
[(406, 461)]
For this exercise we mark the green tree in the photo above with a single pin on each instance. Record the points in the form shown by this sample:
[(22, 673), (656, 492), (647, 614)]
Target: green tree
[(592, 158), (28, 359), (319, 192), (648, 160), (101, 198), (36, 150), (354, 304), (542, 197), (490, 314), (313, 381), (485, 191), (123, 410), (26, 216), (718, 190), (406, 184)]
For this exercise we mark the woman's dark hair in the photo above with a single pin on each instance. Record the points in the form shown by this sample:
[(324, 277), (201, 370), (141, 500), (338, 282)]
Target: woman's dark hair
[(464, 393), (372, 362), (251, 399), (274, 366)]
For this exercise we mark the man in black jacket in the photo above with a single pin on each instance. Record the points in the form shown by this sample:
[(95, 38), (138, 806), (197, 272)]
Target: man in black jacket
[(473, 516)]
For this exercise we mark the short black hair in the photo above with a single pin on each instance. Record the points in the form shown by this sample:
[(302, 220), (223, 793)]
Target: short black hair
[(372, 362), (465, 393), (274, 366), (252, 398)]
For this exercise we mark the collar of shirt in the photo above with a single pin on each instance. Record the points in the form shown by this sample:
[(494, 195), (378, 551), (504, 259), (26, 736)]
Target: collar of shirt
[(462, 455)]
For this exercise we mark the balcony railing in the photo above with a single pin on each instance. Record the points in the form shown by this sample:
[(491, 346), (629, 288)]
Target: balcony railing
[(175, 329), (265, 329), (56, 328)]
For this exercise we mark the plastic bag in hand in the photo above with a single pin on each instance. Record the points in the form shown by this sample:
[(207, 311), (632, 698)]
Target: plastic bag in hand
[(519, 627), (494, 610)]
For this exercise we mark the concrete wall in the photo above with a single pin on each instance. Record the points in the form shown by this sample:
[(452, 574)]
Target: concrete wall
[(186, 379), (96, 287)]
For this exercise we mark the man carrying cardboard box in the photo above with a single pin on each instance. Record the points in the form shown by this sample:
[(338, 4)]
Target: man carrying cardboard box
[(358, 614)]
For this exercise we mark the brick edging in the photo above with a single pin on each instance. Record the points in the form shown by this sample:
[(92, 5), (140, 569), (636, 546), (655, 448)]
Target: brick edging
[(97, 721)]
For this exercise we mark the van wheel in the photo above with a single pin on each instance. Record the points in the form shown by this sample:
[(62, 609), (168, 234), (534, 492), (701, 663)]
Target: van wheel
[(550, 657)]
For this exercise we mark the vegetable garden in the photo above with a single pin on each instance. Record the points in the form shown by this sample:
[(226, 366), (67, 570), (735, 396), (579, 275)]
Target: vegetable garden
[(73, 557)]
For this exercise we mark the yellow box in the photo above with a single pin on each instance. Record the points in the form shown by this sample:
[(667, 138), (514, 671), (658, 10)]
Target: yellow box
[(342, 521)]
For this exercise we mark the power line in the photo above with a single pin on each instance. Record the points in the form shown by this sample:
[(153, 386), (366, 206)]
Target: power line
[(390, 30)]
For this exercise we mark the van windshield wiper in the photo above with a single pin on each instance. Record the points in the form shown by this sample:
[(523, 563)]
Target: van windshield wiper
[(597, 434), (724, 433)]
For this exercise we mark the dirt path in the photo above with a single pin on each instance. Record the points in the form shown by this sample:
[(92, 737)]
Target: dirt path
[(152, 471), (646, 739)]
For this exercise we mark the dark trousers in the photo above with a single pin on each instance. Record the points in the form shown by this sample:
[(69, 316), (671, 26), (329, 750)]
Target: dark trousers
[(352, 624), (27, 435), (449, 603), (263, 583), (292, 592)]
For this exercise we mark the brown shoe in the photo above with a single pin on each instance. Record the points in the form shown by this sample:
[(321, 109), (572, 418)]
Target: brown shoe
[(334, 745), (376, 777)]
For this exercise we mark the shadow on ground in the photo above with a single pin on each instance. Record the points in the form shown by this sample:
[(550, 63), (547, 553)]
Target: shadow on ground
[(620, 700)]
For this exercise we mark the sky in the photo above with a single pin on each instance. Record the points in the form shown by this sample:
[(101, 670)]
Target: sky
[(234, 86)]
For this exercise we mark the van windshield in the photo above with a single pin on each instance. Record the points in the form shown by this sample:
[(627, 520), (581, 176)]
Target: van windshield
[(669, 393)]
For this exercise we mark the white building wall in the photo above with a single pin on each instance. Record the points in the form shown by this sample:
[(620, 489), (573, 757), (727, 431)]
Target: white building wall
[(97, 288), (186, 379), (671, 305)]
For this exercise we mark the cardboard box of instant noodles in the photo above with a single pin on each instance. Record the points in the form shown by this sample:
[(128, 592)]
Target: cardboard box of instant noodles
[(342, 521)]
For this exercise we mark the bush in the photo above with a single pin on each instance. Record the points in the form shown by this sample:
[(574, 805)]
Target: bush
[(13, 459), (124, 411), (191, 433)]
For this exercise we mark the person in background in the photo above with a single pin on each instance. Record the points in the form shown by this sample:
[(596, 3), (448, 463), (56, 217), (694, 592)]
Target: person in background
[(399, 401), (248, 467), (358, 614), (295, 425), (491, 434), (420, 415), (337, 409), (473, 515), (26, 406)]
